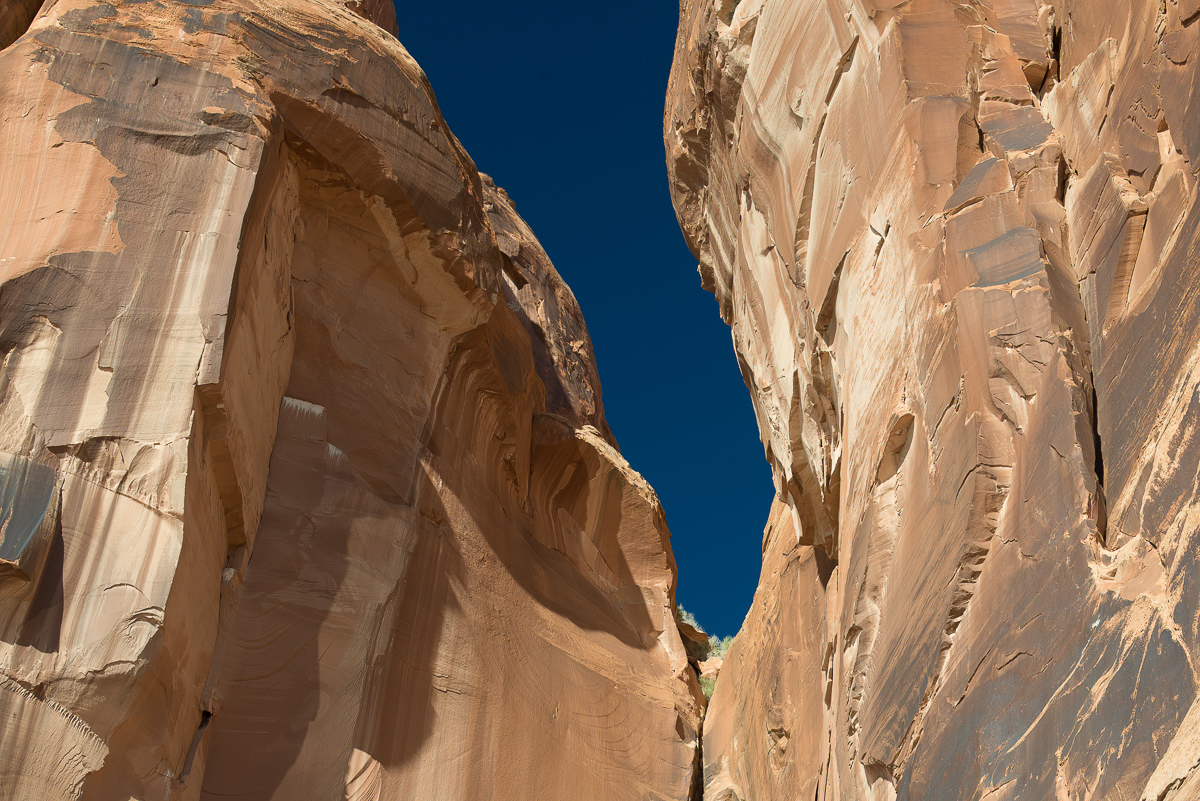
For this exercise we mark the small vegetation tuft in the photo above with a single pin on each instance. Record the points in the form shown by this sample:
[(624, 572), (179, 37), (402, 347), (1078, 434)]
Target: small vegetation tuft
[(716, 646), (712, 647), (719, 646), (684, 616)]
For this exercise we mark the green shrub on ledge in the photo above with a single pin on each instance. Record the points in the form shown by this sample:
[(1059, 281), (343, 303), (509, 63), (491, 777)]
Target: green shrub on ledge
[(716, 646)]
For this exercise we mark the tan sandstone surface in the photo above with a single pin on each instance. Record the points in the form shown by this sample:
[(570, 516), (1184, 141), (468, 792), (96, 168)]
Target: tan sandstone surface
[(956, 242), (307, 489)]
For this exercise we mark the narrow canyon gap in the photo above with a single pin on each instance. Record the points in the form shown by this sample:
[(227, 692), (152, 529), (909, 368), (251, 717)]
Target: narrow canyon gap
[(557, 98), (308, 490)]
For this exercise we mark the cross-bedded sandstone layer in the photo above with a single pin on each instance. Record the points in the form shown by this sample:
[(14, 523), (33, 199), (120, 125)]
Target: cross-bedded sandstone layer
[(307, 490), (956, 242)]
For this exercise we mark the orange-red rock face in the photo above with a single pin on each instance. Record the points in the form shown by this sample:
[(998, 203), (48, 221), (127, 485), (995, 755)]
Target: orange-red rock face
[(307, 487), (956, 243)]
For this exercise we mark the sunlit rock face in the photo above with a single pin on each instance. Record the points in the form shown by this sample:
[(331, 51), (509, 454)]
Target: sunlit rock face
[(307, 490), (956, 244)]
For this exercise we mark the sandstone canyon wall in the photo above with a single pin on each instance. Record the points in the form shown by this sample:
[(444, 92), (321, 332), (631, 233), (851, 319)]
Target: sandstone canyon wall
[(307, 489), (956, 242)]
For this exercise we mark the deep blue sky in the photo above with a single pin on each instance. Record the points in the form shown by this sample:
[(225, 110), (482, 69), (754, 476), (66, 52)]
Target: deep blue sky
[(561, 103)]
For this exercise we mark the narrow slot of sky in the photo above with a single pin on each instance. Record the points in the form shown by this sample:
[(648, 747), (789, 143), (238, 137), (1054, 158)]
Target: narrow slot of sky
[(562, 106)]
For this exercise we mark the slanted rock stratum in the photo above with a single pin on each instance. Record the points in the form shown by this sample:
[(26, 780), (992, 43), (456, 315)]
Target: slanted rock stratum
[(956, 244)]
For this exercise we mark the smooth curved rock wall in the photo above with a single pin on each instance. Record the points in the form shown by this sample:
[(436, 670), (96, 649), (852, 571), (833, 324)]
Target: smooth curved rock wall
[(308, 489)]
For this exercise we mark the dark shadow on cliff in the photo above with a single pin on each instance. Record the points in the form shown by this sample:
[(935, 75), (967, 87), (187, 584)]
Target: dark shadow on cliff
[(43, 622), (398, 712), (272, 677)]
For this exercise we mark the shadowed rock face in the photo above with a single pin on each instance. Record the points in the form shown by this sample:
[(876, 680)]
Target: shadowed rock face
[(15, 17), (956, 243), (307, 487)]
